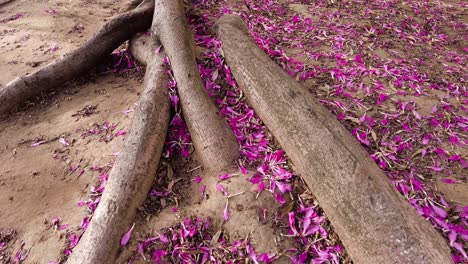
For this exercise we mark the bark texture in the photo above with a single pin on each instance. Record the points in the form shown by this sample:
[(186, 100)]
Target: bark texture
[(5, 1), (133, 173), (79, 61), (132, 4), (212, 137), (141, 46), (374, 222)]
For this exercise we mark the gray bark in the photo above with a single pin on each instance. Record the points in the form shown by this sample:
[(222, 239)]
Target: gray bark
[(374, 222), (213, 139), (134, 171)]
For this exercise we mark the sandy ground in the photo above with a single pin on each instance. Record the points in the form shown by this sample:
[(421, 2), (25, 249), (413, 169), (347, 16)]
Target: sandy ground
[(39, 183)]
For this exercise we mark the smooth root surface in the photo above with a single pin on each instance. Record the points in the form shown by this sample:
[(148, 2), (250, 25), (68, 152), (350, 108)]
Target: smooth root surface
[(375, 223), (133, 173), (213, 139)]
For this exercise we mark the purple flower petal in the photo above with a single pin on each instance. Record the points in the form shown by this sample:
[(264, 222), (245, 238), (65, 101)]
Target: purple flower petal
[(158, 255), (38, 143), (221, 189), (126, 237), (439, 211), (198, 179), (280, 198), (64, 142), (460, 249), (225, 176), (120, 133), (226, 211), (449, 181)]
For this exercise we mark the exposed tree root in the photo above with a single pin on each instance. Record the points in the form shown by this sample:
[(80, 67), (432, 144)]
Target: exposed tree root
[(244, 207), (133, 173), (213, 139), (374, 222), (141, 46), (2, 2), (132, 4), (79, 61)]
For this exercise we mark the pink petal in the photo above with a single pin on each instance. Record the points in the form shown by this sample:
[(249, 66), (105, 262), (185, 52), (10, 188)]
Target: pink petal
[(452, 236), (280, 198), (81, 173), (158, 49), (221, 189), (266, 258), (252, 254), (38, 143), (224, 177), (439, 211), (292, 223), (64, 142), (460, 249), (226, 211), (158, 254), (261, 187), (126, 237), (198, 179), (55, 220), (243, 170), (448, 181), (163, 238), (120, 133), (141, 250)]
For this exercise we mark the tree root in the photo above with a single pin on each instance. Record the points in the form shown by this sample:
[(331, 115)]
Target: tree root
[(213, 139), (2, 2), (79, 61), (132, 4), (133, 173), (374, 222)]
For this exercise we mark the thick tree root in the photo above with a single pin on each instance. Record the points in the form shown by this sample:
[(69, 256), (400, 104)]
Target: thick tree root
[(374, 222), (133, 173), (141, 46), (5, 2), (243, 208), (213, 139), (132, 4), (79, 61)]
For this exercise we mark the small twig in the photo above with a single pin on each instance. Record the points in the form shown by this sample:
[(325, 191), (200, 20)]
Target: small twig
[(196, 168), (234, 195)]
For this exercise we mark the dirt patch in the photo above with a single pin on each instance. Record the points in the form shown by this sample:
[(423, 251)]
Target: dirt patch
[(42, 182), (46, 181), (455, 192)]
